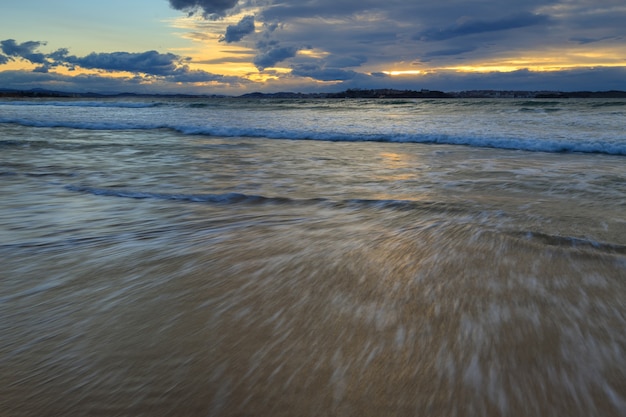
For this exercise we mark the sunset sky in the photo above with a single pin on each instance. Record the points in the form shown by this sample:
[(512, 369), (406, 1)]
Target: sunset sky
[(233, 47)]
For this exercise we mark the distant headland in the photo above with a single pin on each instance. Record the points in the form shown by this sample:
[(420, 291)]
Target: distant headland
[(382, 93)]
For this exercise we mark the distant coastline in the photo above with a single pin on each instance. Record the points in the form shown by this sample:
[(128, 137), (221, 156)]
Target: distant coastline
[(350, 93)]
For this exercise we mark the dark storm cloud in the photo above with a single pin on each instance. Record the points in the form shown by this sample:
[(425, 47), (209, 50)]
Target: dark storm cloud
[(25, 50), (210, 9), (473, 26), (234, 33)]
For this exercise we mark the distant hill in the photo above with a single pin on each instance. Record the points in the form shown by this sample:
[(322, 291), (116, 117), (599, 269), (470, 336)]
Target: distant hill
[(35, 93), (350, 93), (42, 93)]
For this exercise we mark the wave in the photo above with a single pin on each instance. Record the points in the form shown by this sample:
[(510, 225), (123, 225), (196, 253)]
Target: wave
[(570, 242), (511, 143), (539, 103), (540, 109), (12, 142), (562, 145), (240, 198), (131, 125), (447, 209), (202, 105), (111, 104), (226, 198), (609, 104)]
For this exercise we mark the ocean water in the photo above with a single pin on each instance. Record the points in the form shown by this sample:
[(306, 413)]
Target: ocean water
[(233, 257)]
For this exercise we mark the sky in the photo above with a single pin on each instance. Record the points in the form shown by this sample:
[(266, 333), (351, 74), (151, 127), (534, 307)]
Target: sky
[(240, 46)]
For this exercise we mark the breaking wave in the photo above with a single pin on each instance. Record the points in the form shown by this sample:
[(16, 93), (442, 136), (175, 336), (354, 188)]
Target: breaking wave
[(554, 126), (557, 145)]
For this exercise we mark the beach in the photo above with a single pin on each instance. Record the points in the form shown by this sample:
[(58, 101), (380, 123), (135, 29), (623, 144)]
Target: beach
[(229, 257)]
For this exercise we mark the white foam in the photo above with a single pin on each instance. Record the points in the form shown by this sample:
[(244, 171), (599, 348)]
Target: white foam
[(571, 131)]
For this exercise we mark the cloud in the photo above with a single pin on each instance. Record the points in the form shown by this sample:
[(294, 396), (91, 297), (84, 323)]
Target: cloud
[(234, 33), (448, 52), (282, 10), (397, 32), (210, 9), (153, 63), (273, 54), (150, 62), (375, 36), (186, 75), (26, 80), (150, 67), (582, 40), (344, 61), (323, 74), (471, 26), (349, 42), (25, 50), (597, 79), (182, 82)]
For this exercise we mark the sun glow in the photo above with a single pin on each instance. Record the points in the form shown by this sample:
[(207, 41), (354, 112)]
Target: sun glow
[(404, 72), (484, 68), (313, 53)]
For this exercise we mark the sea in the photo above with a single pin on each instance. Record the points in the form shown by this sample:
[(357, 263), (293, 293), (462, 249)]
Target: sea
[(165, 256)]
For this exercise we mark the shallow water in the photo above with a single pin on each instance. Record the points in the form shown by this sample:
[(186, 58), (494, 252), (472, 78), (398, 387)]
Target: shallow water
[(148, 272)]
